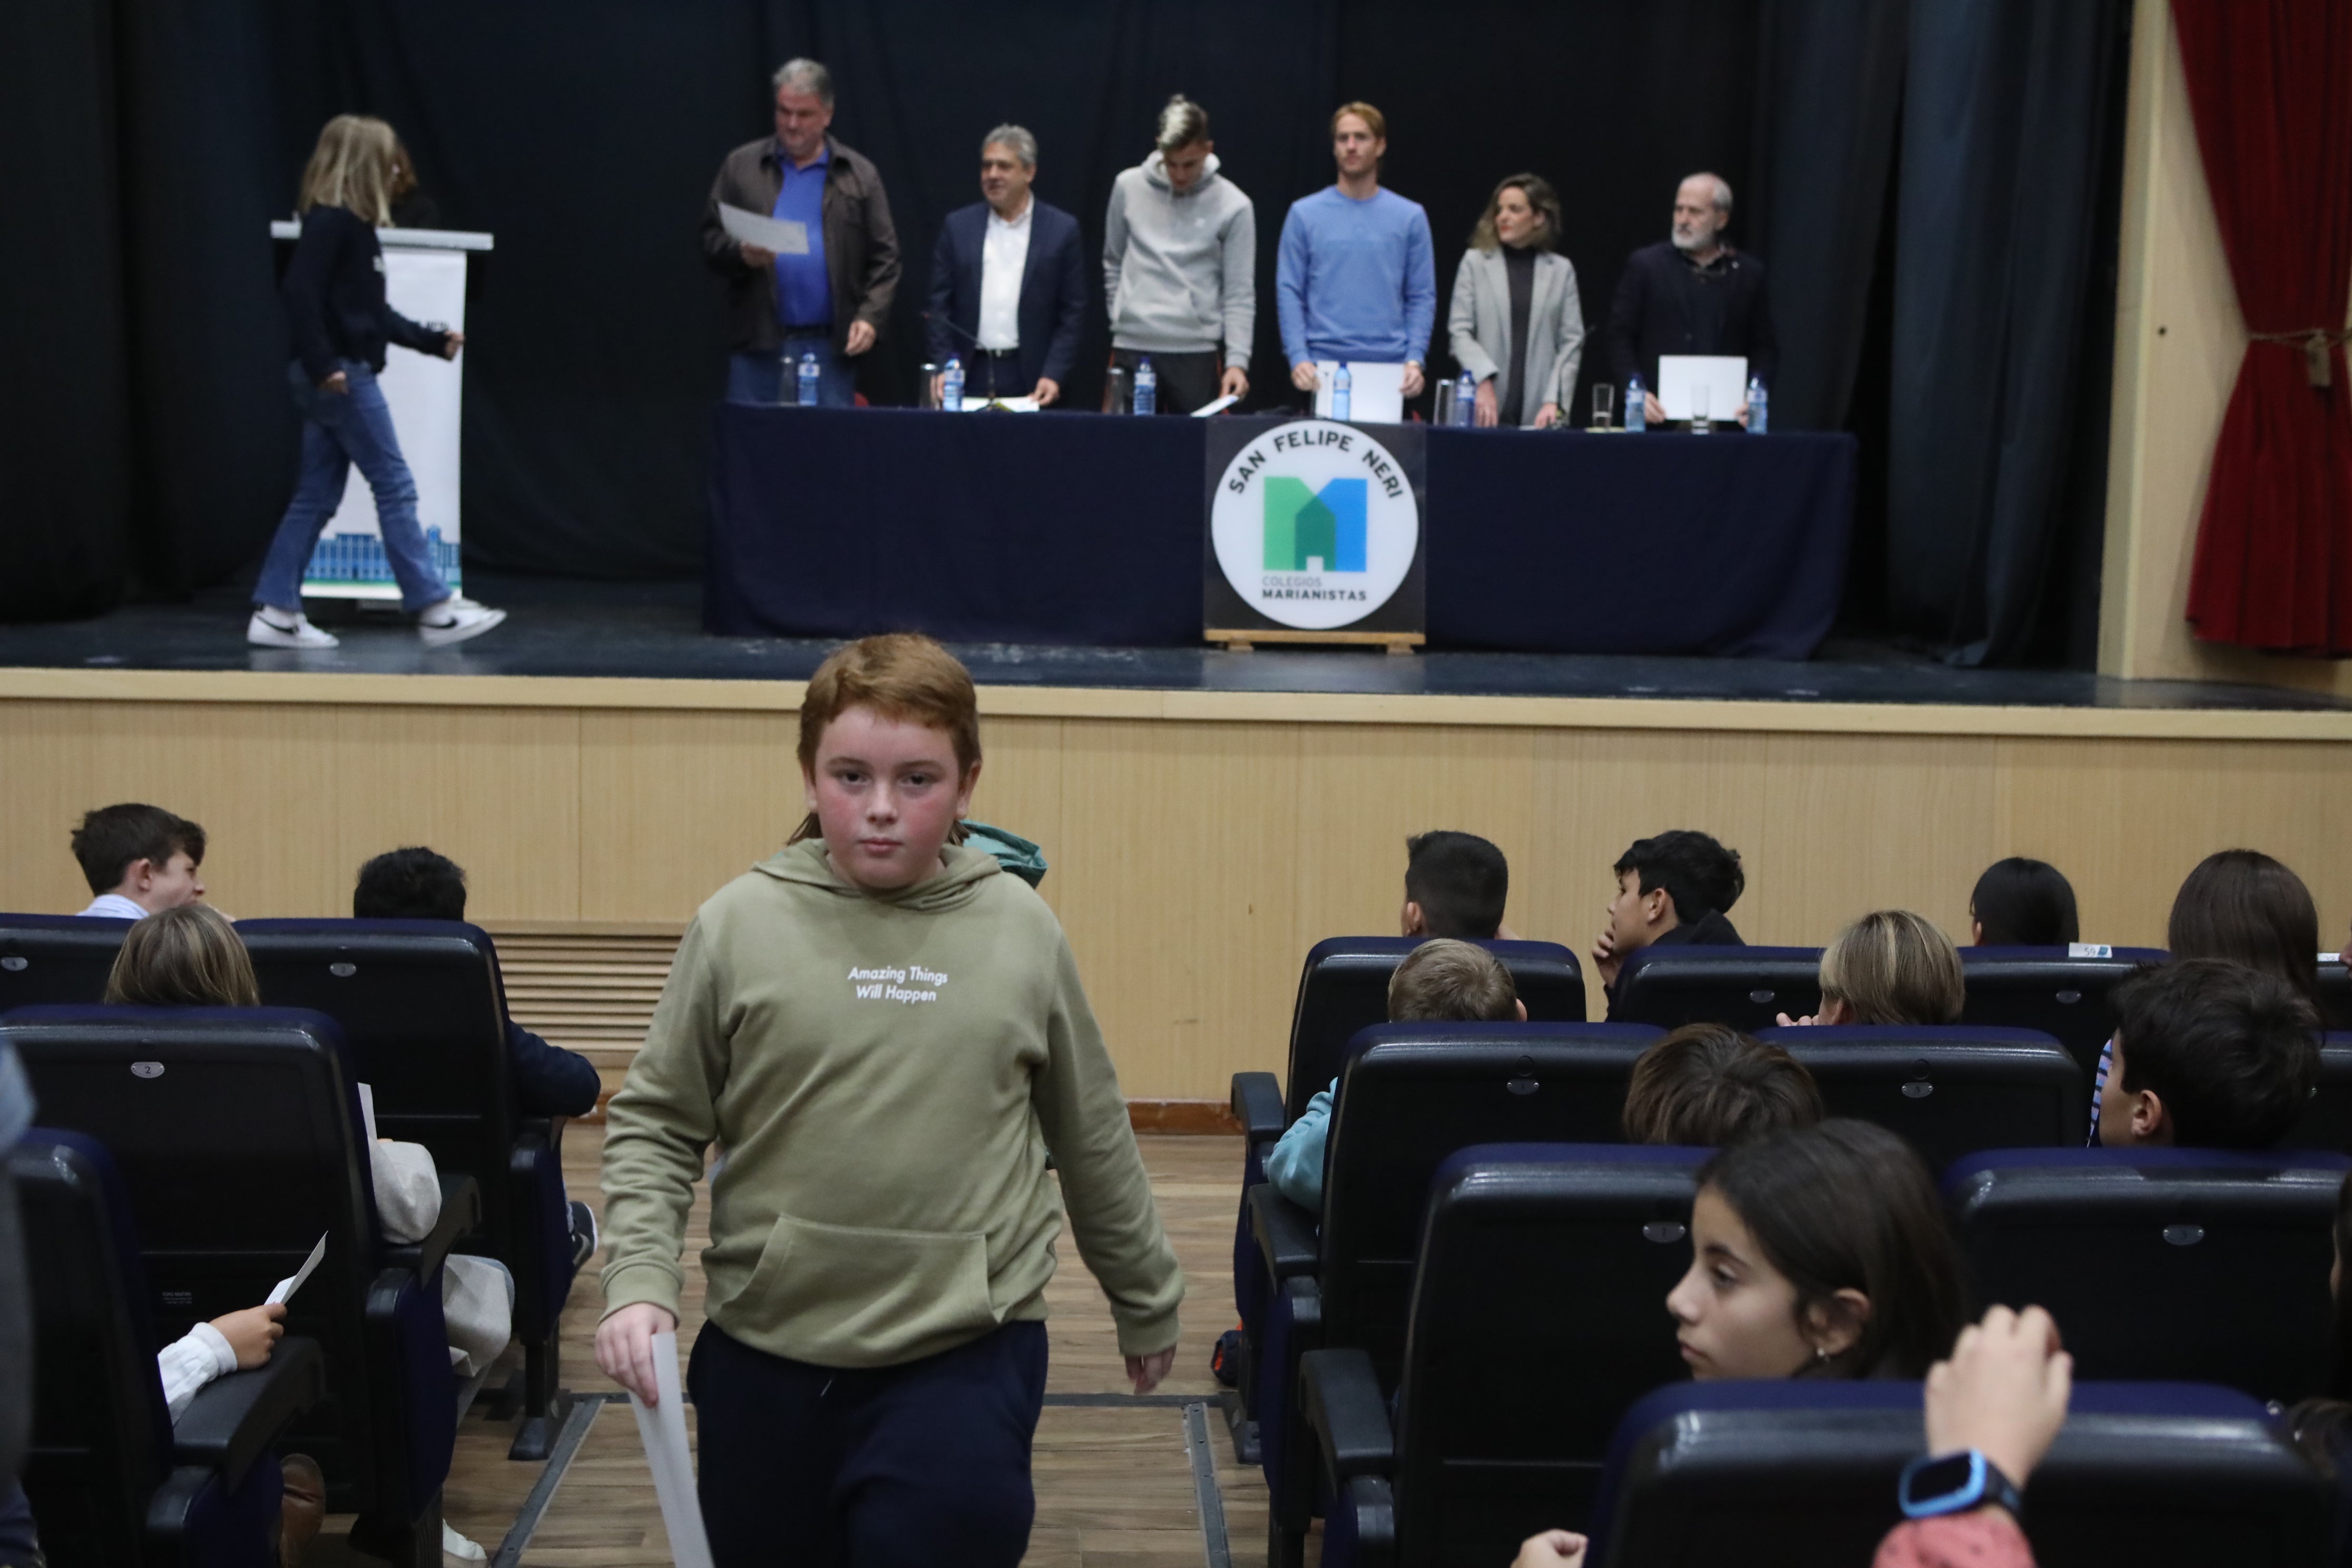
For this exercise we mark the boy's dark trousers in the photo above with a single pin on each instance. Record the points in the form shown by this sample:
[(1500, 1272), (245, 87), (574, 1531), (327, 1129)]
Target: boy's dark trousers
[(874, 1467)]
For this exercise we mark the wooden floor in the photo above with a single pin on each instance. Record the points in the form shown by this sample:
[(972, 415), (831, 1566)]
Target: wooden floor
[(1113, 1484)]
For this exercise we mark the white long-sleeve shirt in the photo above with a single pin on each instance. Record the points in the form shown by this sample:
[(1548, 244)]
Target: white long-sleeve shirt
[(190, 1361)]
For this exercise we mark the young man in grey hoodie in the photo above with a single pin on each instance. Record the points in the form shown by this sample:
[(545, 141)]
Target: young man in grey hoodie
[(1179, 267)]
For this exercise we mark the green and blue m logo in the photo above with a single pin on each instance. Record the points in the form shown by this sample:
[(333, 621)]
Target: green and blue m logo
[(1314, 530)]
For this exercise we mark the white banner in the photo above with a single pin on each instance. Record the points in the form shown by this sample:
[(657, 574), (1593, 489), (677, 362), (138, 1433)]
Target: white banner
[(426, 394)]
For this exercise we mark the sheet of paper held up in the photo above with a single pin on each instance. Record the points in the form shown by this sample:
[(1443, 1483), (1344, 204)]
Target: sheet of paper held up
[(1375, 391), (367, 1110), (1211, 410), (284, 1289), (781, 236), (662, 1429), (1725, 376)]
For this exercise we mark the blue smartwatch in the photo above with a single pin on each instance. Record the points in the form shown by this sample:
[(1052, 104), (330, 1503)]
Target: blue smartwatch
[(1954, 1483)]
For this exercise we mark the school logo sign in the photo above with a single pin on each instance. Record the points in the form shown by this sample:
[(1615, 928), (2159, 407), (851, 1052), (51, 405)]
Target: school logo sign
[(1314, 525)]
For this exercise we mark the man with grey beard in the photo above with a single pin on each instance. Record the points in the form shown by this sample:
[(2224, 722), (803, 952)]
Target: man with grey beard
[(1692, 294)]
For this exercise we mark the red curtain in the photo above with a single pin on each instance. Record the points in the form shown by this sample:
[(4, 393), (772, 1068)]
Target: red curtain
[(2270, 83)]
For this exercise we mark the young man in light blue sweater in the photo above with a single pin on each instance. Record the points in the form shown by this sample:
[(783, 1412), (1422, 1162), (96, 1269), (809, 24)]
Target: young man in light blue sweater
[(1357, 278)]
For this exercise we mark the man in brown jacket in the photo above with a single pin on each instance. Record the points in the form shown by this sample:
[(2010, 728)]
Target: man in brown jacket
[(830, 301)]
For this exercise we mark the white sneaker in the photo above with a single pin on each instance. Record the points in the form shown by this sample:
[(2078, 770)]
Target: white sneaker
[(454, 619), (457, 1551), (275, 628)]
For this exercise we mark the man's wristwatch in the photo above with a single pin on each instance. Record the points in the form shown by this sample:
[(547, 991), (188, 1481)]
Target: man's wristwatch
[(1954, 1483)]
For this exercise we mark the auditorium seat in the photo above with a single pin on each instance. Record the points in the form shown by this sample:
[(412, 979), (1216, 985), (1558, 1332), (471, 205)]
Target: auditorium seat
[(1795, 1474), (113, 1480), (1949, 1090), (423, 1014), (1410, 1095), (2335, 994), (1745, 987), (2047, 988), (57, 958), (2201, 1265), (2327, 1123), (1344, 988), (1538, 1315), (238, 1135)]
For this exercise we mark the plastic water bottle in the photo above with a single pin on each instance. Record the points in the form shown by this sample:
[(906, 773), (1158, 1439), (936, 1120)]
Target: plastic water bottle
[(952, 387), (810, 376), (1147, 386), (1465, 400), (1341, 382), (1760, 403), (1637, 406)]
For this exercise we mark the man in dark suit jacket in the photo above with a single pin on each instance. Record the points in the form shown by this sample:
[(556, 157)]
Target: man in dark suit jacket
[(1692, 295), (1008, 275)]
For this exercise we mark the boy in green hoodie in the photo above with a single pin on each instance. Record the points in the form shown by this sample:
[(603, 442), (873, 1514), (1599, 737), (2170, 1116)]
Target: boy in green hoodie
[(886, 1035)]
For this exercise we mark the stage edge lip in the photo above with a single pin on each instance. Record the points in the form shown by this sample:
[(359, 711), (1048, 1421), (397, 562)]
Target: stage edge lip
[(1194, 707)]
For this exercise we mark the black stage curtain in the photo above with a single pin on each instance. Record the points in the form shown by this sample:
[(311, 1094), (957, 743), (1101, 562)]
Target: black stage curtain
[(157, 138)]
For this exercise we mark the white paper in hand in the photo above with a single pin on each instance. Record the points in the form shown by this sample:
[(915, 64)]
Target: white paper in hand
[(662, 1430), (367, 1111), (284, 1289), (781, 236)]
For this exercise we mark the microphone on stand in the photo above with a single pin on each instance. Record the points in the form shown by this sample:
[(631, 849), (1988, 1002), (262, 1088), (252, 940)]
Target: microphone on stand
[(988, 356)]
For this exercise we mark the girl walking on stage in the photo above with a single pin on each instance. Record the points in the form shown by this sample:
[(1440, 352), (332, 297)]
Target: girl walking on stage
[(335, 306), (886, 1036)]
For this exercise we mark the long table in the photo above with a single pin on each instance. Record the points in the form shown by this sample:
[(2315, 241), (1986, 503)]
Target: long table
[(1083, 529)]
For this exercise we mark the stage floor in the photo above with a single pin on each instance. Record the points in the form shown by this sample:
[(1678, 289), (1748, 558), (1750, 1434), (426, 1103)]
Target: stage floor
[(569, 628)]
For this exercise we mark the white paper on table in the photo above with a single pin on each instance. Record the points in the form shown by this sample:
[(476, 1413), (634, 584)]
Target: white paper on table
[(976, 404), (367, 1111), (284, 1289), (1375, 391), (781, 236), (1219, 406), (1725, 376), (662, 1430)]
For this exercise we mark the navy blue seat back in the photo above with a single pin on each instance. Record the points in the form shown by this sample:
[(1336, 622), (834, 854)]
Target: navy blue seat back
[(1949, 1090), (1745, 987), (57, 958), (101, 1437), (238, 1135), (2326, 1123), (2335, 994), (1538, 1313), (1803, 1472), (2198, 1265), (2044, 988), (1345, 988), (1410, 1096)]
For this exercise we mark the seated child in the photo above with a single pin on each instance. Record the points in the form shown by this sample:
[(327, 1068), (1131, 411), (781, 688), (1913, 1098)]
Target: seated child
[(1454, 885), (416, 884), (1442, 980), (2206, 1055), (2020, 902), (1890, 967), (1709, 1086), (190, 956), (1818, 1252), (138, 859), (1670, 889), (2243, 906)]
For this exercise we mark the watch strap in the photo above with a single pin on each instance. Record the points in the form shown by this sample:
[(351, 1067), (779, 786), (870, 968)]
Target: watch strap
[(1986, 1484)]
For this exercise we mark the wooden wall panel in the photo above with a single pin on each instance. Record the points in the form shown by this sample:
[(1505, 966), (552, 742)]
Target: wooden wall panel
[(1194, 860)]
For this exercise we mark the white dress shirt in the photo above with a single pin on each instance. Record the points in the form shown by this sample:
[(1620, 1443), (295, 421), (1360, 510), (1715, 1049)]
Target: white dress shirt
[(1002, 258), (187, 1363), (114, 907)]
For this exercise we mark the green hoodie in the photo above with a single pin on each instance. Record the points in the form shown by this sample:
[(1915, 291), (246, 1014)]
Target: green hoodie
[(886, 1073)]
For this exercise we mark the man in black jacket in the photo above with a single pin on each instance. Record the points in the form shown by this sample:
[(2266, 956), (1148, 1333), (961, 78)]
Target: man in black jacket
[(1671, 888), (1008, 288), (830, 301), (1693, 294)]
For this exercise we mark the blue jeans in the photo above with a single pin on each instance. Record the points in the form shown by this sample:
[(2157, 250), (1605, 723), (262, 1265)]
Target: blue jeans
[(762, 378), (338, 430)]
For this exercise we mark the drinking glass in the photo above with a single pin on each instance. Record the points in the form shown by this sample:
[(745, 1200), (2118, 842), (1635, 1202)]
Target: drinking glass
[(1604, 401), (1698, 409)]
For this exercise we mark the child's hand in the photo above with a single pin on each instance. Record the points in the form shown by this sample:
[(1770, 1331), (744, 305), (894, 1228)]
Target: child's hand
[(625, 1347), (1146, 1371), (1786, 1022), (1605, 962), (2003, 1392), (1552, 1549), (251, 1332)]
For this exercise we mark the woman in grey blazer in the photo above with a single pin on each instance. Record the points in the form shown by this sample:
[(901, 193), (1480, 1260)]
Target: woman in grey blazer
[(1516, 322)]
